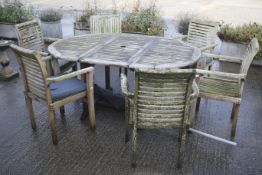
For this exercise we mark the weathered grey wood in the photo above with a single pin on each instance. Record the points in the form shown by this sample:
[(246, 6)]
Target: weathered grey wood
[(105, 24), (223, 58), (70, 75), (202, 34), (37, 86), (126, 50), (228, 86), (165, 109), (90, 99), (30, 36), (30, 109)]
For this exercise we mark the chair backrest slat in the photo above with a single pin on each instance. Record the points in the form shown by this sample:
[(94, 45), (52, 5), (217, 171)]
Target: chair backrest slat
[(30, 36), (202, 33), (161, 99), (32, 69), (251, 52), (105, 24)]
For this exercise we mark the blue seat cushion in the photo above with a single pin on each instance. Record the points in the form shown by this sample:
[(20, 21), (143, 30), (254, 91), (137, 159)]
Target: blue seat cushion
[(66, 88)]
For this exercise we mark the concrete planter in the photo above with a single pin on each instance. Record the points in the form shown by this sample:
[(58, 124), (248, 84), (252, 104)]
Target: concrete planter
[(7, 31), (237, 50), (52, 29), (257, 62), (232, 49), (137, 33), (140, 33), (81, 28)]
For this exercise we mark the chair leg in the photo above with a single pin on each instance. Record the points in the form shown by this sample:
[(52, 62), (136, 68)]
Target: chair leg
[(235, 117), (192, 112), (198, 103), (52, 125), (91, 109), (107, 78), (179, 136), (181, 148), (30, 111), (134, 147), (84, 113), (62, 111), (127, 113), (232, 112)]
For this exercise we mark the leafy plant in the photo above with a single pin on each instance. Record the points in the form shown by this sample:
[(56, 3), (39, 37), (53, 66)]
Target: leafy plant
[(145, 20), (83, 19), (184, 20), (242, 34), (15, 12), (128, 24), (149, 20), (49, 15)]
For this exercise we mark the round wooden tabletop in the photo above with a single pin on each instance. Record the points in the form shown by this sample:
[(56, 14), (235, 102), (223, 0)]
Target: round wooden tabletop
[(126, 50)]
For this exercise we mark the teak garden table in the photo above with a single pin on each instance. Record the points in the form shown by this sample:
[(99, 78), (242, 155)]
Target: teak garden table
[(126, 50)]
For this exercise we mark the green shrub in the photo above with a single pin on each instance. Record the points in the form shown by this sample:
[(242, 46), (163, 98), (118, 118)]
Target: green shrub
[(128, 23), (184, 20), (242, 34), (149, 21), (15, 12), (84, 16), (145, 20), (50, 15)]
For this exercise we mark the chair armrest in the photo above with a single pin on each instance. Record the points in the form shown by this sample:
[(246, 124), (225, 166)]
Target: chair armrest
[(69, 75), (195, 93), (43, 54), (124, 86), (223, 57), (49, 40), (211, 46), (46, 58), (222, 74), (181, 37)]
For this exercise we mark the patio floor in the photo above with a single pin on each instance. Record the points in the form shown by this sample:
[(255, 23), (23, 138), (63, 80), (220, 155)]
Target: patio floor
[(79, 151)]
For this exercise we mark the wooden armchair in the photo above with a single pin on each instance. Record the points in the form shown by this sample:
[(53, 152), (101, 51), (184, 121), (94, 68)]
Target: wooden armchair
[(30, 37), (202, 34), (227, 86), (53, 91), (161, 99), (105, 24)]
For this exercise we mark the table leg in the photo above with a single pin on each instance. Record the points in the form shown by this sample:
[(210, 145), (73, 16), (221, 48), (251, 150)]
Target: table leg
[(7, 72), (107, 77)]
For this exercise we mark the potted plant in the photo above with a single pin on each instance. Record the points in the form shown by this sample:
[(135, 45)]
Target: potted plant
[(51, 23), (82, 21), (236, 38), (144, 20), (184, 21), (129, 21), (11, 13)]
